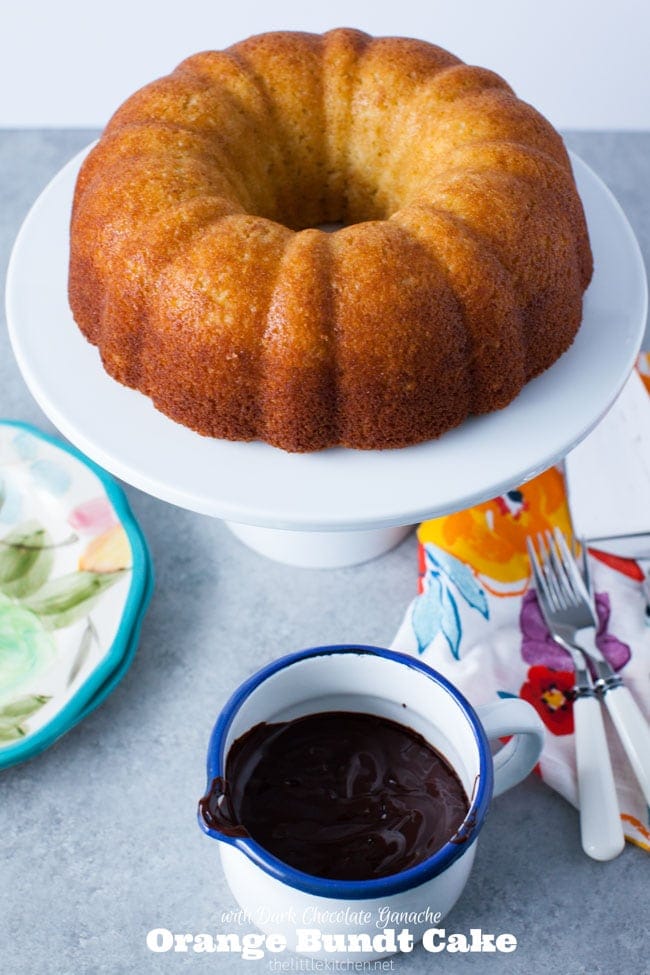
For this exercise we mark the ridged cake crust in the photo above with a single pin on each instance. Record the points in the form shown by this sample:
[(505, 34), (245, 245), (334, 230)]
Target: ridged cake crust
[(197, 270)]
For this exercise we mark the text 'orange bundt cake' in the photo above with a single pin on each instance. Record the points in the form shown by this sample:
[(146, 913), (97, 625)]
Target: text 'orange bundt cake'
[(198, 269)]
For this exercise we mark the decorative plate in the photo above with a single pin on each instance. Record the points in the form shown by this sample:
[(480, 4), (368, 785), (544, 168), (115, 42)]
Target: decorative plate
[(75, 581)]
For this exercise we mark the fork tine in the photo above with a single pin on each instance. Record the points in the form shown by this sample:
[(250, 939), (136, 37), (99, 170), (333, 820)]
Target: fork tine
[(585, 569), (550, 572), (544, 581), (578, 550), (561, 571), (577, 582), (568, 566), (540, 582)]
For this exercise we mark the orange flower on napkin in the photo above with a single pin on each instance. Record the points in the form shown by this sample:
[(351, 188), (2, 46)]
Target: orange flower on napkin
[(491, 537)]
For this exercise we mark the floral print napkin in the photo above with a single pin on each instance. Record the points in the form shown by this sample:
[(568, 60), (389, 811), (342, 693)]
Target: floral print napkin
[(476, 620)]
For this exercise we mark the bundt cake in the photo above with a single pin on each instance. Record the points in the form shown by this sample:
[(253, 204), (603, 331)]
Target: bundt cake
[(200, 267)]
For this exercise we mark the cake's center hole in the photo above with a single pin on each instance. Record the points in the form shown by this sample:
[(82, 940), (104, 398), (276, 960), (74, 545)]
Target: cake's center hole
[(314, 204), (331, 226)]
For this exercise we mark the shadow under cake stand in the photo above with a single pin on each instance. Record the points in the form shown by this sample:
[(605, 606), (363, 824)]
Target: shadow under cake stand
[(336, 507)]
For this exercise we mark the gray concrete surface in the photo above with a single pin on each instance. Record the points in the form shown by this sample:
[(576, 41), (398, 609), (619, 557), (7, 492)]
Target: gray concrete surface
[(98, 836)]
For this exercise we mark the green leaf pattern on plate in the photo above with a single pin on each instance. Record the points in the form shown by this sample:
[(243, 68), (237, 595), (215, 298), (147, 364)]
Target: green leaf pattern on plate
[(26, 559), (26, 648), (69, 598), (13, 715), (31, 606)]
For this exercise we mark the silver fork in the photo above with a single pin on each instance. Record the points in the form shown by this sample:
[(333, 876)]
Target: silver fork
[(631, 726), (566, 614)]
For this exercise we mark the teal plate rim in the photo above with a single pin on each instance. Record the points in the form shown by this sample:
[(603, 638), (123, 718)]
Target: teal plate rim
[(109, 672)]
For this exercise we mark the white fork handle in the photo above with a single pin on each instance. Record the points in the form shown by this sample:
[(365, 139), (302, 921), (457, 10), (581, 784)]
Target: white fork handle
[(633, 731), (600, 822)]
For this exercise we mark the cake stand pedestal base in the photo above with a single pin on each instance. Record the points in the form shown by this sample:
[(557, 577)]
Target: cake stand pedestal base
[(320, 550)]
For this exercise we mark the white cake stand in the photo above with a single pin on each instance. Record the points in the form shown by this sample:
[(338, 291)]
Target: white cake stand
[(336, 507)]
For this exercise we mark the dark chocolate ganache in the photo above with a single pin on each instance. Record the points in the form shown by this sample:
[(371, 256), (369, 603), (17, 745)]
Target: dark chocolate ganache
[(340, 795)]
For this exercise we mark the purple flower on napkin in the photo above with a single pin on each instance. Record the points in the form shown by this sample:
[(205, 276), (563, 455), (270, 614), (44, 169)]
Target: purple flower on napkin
[(538, 646)]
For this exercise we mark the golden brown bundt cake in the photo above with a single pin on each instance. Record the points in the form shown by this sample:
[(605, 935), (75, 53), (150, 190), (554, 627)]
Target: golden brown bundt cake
[(198, 268)]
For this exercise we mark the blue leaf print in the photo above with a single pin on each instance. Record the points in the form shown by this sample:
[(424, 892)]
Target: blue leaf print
[(51, 476), (462, 577), (505, 694), (26, 445), (426, 617), (12, 504), (450, 622)]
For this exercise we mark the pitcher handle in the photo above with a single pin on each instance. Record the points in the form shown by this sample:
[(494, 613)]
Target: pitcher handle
[(507, 717)]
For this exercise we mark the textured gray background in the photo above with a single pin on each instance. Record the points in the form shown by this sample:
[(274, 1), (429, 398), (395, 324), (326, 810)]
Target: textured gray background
[(98, 836)]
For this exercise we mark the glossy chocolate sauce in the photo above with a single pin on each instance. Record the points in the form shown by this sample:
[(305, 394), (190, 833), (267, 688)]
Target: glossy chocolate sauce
[(338, 795)]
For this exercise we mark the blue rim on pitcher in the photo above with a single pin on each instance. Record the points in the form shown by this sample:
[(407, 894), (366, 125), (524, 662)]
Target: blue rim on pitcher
[(352, 889)]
